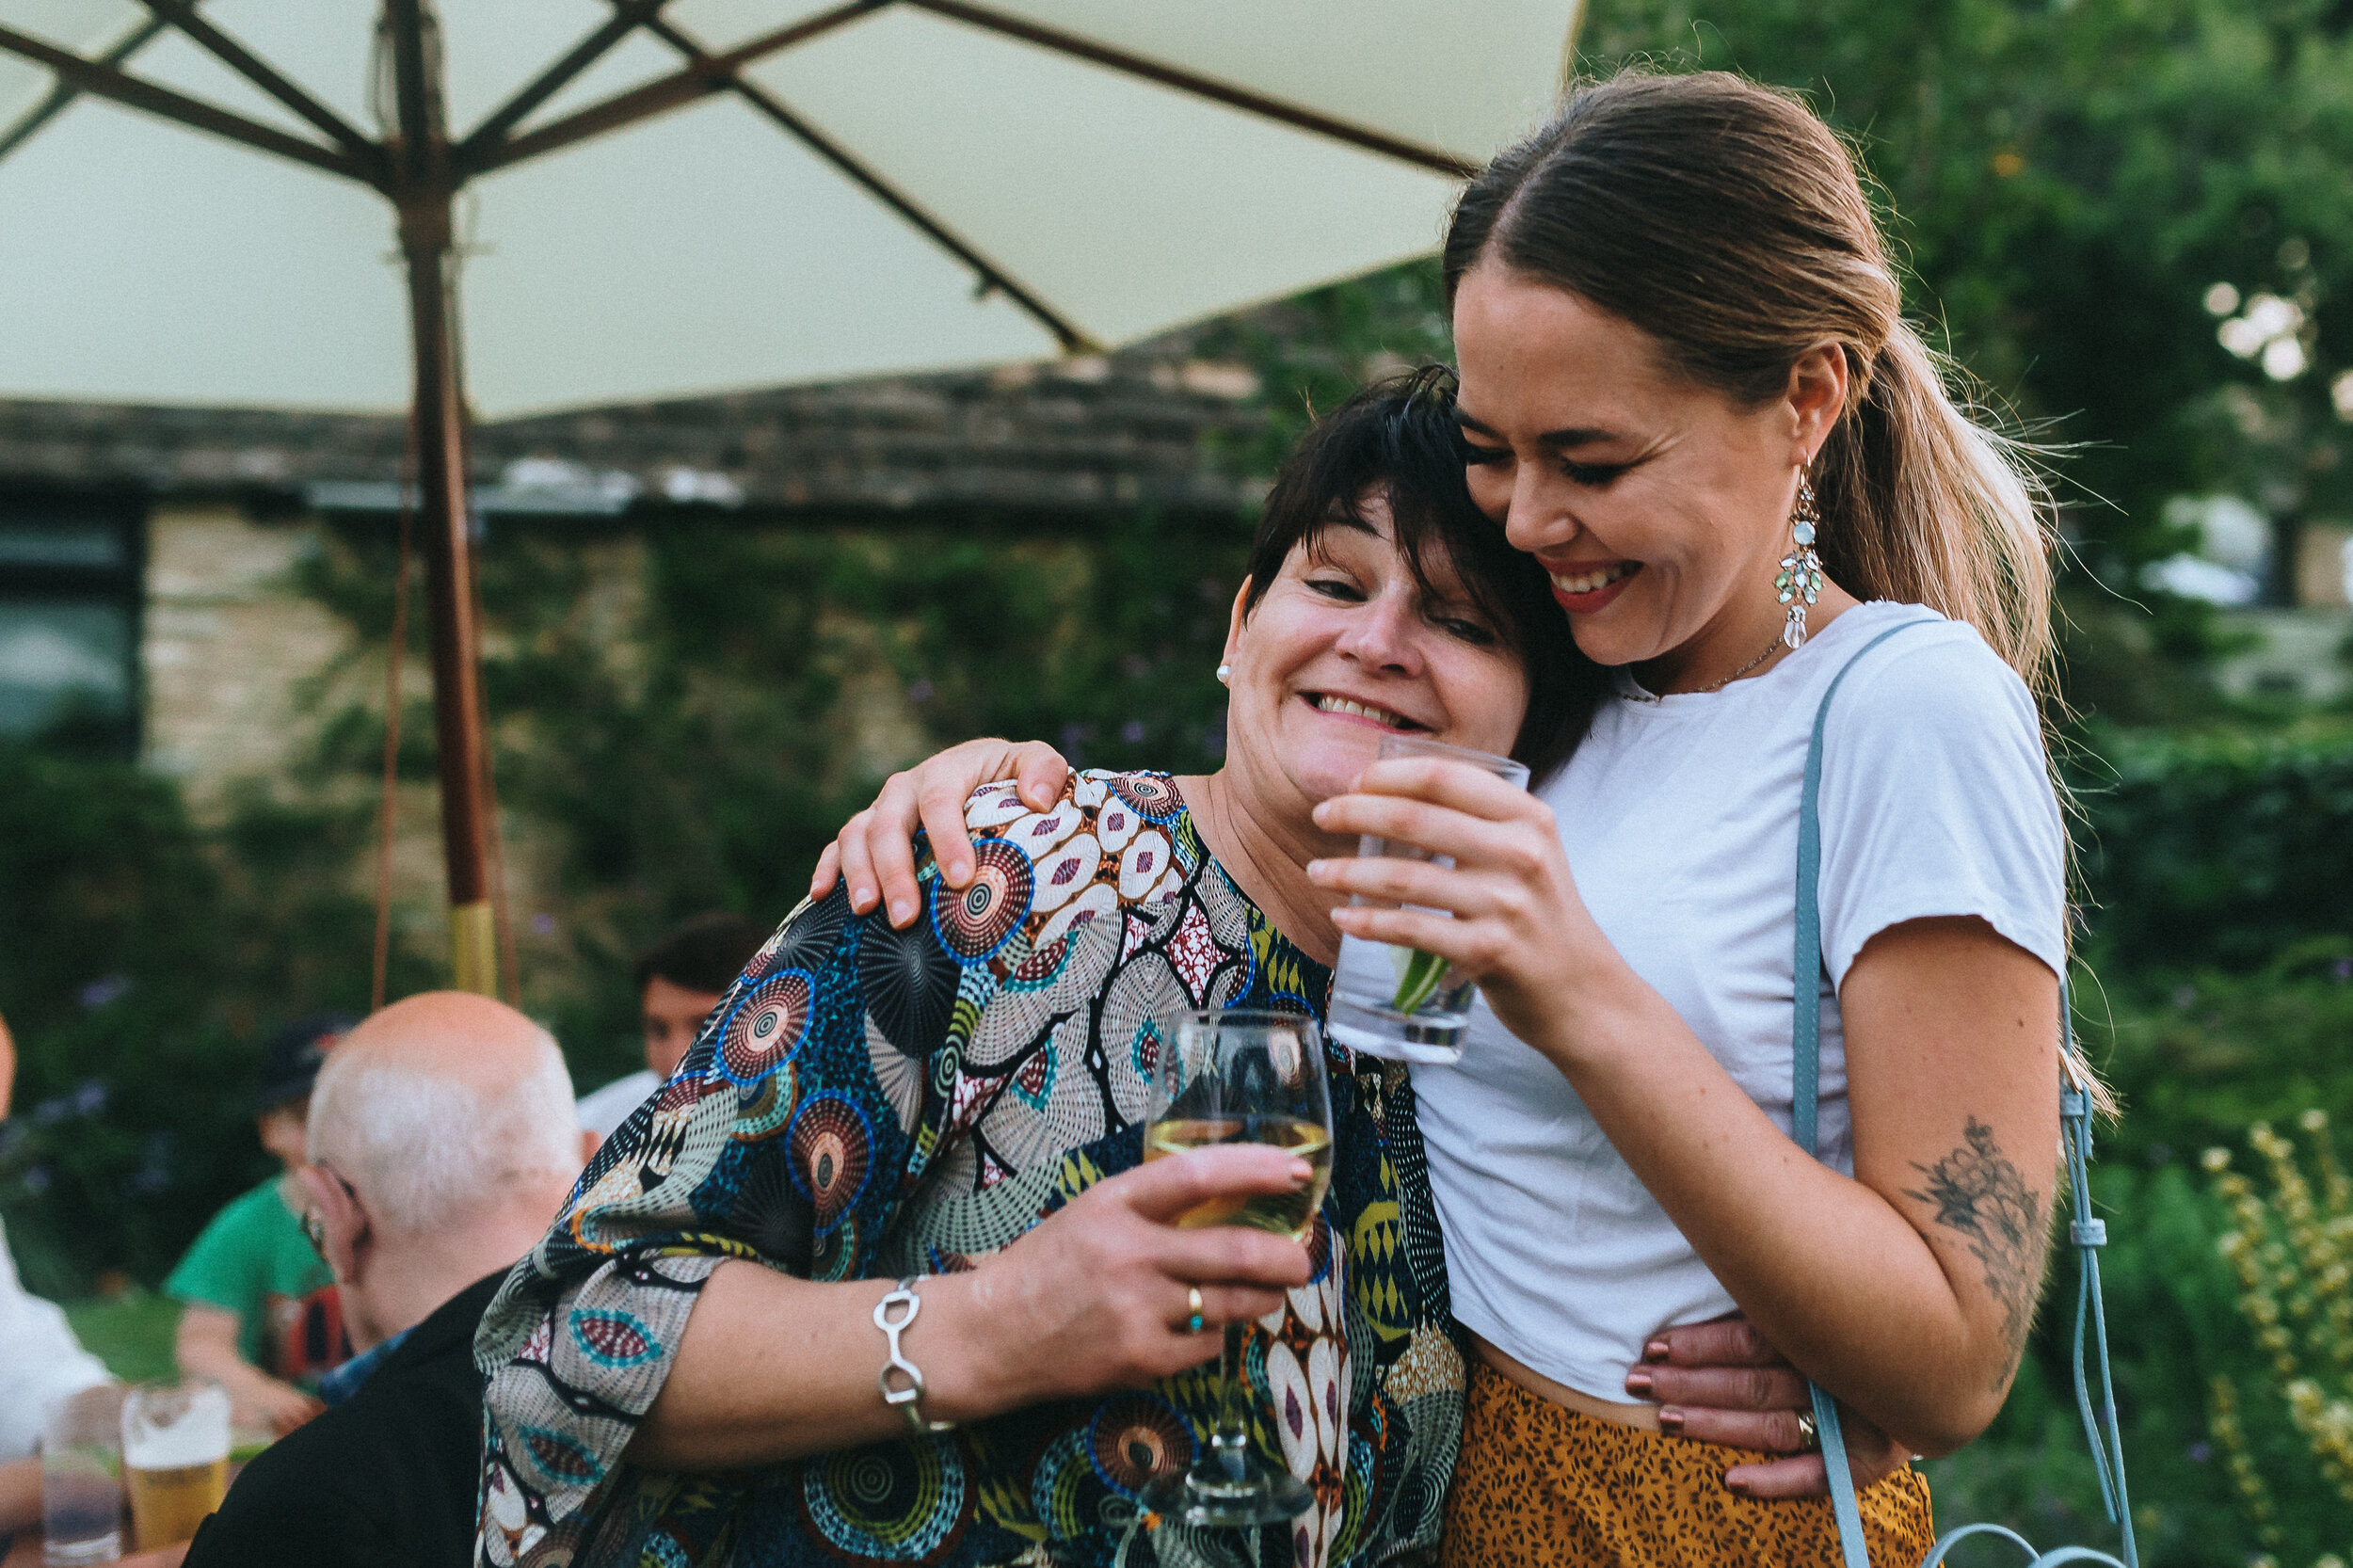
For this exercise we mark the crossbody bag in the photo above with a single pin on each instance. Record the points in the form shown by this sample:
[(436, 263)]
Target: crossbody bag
[(2086, 1233)]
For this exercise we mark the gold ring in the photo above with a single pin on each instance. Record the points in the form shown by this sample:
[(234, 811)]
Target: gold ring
[(1809, 1435), (1193, 1299)]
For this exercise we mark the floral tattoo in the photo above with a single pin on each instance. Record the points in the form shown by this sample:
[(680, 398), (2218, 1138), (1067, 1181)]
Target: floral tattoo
[(1979, 1192)]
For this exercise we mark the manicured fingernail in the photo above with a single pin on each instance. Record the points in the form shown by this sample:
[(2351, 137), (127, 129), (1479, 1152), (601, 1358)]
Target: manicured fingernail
[(901, 912), (1657, 1351), (1671, 1419), (1638, 1383)]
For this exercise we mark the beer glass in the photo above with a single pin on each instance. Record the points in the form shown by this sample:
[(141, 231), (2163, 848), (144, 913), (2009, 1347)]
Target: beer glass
[(1241, 1076), (176, 1458), (1396, 1002), (81, 1478)]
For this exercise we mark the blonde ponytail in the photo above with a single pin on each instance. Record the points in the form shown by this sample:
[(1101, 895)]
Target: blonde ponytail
[(1924, 503)]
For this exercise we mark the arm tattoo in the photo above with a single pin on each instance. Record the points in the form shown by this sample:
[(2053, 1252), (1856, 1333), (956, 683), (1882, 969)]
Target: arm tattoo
[(1978, 1191)]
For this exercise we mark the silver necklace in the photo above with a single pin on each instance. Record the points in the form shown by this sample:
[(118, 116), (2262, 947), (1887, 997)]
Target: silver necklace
[(1770, 649)]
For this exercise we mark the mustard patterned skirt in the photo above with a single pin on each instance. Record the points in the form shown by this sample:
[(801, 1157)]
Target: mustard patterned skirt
[(1541, 1486)]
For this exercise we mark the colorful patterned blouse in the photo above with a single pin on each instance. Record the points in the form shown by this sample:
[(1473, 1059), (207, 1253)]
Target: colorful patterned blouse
[(868, 1103)]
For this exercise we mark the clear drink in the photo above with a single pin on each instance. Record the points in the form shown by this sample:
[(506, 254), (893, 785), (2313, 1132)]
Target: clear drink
[(1241, 1076), (81, 1479), (1284, 1213), (1396, 1002), (175, 1459)]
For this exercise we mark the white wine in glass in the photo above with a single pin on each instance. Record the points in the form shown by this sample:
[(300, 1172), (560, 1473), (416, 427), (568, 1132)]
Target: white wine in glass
[(1235, 1076)]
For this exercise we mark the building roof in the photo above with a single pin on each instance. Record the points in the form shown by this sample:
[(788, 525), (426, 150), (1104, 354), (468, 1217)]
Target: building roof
[(1071, 436)]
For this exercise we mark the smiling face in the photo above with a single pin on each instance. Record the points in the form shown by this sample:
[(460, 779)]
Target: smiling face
[(1658, 506), (1346, 647)]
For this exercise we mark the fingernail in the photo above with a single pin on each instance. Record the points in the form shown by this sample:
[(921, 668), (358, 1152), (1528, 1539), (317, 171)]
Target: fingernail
[(1302, 1173), (1637, 1382), (1319, 812), (1656, 1350), (1314, 867), (901, 912), (861, 898), (1671, 1419), (1737, 1486)]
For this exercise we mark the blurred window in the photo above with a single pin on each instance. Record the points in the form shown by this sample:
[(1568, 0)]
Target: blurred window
[(70, 601)]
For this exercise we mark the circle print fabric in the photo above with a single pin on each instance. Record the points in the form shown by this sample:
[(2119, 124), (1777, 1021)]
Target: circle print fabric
[(973, 924), (768, 1022), (833, 1148)]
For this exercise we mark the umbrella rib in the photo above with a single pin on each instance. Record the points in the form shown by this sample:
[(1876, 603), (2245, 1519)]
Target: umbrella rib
[(64, 92), (706, 75), (105, 81), (1072, 340), (627, 15), (1203, 87), (181, 14)]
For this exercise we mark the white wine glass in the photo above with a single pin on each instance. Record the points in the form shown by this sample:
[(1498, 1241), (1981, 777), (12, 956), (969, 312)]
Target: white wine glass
[(1238, 1076)]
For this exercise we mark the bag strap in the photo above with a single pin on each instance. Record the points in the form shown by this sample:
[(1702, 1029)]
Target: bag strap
[(2087, 1234)]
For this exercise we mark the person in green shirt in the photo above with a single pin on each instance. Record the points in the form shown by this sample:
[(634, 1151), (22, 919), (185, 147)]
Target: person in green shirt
[(260, 1313)]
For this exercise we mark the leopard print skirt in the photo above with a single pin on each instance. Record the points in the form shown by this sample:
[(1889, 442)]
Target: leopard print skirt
[(1542, 1486)]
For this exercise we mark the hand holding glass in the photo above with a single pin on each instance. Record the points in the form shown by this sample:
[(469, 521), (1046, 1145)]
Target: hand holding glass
[(1240, 1076), (1396, 1002)]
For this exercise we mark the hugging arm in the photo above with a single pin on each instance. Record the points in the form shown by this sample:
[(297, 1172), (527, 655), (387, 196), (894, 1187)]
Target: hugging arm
[(1729, 1385), (1906, 1289)]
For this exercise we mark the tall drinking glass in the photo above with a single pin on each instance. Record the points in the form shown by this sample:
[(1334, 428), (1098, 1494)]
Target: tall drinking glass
[(176, 1458), (1242, 1077), (81, 1478), (1399, 1002)]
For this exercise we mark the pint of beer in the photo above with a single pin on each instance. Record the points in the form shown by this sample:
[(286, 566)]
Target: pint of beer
[(176, 1458)]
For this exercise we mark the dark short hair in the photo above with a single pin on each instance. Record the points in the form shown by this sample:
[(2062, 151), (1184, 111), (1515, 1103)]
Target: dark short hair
[(705, 954), (1399, 437)]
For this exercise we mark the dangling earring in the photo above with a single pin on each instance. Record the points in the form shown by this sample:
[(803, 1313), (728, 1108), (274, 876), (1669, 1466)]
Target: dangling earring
[(1226, 675), (1800, 580)]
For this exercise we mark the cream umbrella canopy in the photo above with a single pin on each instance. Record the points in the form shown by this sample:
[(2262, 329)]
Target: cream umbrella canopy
[(804, 190)]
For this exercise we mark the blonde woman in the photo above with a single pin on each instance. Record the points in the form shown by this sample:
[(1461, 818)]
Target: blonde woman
[(1689, 391)]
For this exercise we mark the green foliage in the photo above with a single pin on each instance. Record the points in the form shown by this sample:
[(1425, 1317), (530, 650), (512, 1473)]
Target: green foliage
[(685, 723), (2290, 1252), (2216, 848), (140, 957)]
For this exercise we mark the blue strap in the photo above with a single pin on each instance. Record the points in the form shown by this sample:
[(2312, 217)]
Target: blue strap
[(1805, 1046), (2087, 1234)]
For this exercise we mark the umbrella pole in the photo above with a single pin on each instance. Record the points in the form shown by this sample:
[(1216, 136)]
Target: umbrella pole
[(424, 190), (441, 420)]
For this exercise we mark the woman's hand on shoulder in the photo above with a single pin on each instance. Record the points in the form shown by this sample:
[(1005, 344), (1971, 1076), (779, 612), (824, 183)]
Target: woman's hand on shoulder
[(1518, 925), (875, 852), (1097, 1296)]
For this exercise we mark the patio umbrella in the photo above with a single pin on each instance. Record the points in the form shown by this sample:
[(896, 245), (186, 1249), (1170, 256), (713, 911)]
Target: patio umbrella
[(805, 190)]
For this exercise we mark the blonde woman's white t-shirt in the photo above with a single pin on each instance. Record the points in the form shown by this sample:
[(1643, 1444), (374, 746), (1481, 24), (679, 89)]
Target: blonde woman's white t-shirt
[(1680, 817)]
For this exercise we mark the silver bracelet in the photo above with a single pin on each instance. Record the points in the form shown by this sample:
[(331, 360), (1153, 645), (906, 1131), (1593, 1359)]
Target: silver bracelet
[(904, 1398)]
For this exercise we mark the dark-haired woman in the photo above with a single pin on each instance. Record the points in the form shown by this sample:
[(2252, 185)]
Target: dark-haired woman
[(1687, 390), (685, 1369)]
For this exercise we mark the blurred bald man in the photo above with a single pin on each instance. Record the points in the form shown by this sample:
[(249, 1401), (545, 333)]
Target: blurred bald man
[(443, 1141)]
